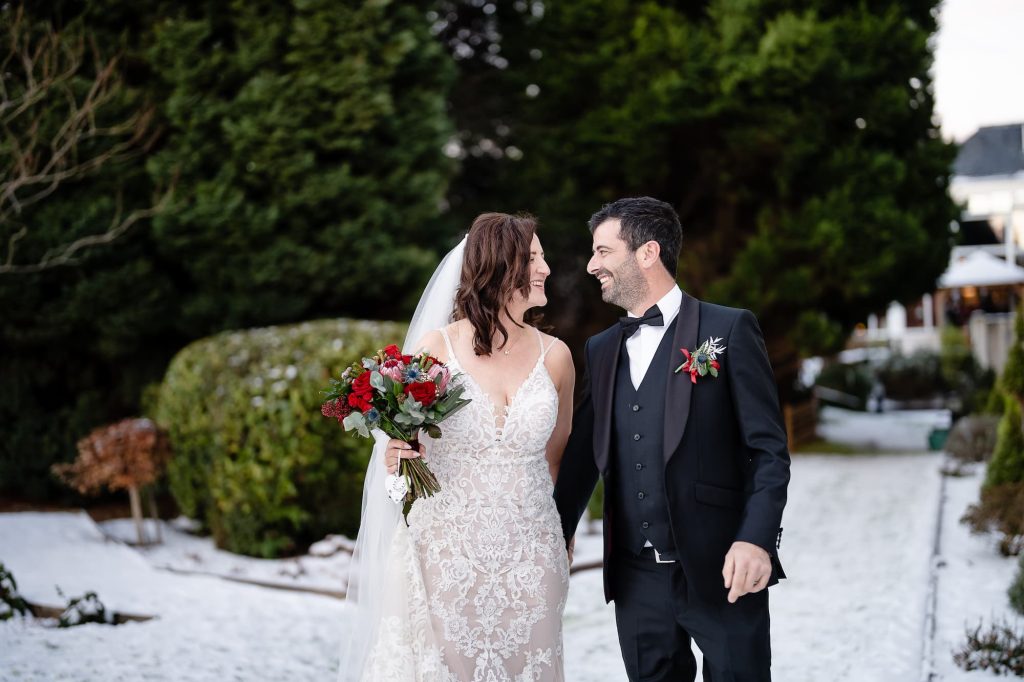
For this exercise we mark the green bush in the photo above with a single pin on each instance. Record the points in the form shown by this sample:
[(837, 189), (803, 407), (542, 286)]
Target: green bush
[(913, 377), (255, 461), (595, 507), (1007, 465), (1016, 591), (11, 602), (962, 375), (854, 379)]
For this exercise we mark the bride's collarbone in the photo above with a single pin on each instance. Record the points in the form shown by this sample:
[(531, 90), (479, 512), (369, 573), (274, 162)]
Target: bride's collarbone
[(500, 376)]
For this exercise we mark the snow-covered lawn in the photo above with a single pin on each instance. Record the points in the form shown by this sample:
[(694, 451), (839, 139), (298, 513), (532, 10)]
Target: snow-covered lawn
[(858, 547)]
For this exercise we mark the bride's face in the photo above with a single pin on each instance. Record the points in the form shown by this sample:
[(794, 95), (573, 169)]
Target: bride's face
[(539, 272)]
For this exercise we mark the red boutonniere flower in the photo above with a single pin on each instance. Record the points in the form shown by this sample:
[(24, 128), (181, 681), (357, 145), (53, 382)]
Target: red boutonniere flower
[(703, 360)]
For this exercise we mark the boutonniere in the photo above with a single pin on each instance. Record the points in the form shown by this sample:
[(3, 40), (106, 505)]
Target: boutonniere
[(703, 360)]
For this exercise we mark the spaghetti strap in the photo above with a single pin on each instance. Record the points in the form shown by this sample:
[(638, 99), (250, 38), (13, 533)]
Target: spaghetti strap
[(543, 350), (448, 345)]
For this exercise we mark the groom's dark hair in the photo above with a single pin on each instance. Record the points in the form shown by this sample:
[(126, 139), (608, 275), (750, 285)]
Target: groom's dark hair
[(644, 219)]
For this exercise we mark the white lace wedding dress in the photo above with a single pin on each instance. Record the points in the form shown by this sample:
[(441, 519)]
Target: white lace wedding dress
[(477, 583)]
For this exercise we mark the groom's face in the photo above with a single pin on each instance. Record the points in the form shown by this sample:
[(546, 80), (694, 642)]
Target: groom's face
[(615, 266)]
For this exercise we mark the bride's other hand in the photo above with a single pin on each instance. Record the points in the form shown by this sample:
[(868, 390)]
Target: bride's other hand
[(398, 449)]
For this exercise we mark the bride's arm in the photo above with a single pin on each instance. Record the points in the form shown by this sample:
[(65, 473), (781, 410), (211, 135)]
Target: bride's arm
[(563, 374)]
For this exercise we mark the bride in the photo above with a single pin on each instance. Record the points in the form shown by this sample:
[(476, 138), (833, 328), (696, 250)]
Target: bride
[(473, 589)]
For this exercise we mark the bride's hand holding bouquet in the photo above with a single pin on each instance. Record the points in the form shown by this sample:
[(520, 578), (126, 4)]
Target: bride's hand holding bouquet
[(398, 394)]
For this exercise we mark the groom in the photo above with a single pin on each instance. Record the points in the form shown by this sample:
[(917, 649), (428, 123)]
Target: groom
[(694, 460)]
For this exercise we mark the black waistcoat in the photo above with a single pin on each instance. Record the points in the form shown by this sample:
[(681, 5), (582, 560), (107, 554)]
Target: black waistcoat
[(638, 421)]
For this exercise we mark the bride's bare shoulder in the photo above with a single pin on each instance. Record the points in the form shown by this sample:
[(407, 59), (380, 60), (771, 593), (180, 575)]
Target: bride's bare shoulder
[(559, 357)]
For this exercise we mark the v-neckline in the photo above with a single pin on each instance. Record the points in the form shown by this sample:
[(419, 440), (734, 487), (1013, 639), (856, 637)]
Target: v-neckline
[(494, 408)]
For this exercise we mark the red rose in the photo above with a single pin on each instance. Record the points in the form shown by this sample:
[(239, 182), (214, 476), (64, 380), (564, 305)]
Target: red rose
[(423, 392), (392, 351), (358, 402), (361, 396), (407, 359)]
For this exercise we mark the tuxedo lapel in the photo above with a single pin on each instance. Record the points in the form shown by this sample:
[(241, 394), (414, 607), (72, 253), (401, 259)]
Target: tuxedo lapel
[(679, 387), (602, 375)]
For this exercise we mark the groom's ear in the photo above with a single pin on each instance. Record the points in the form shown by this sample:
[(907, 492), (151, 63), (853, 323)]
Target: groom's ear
[(649, 254)]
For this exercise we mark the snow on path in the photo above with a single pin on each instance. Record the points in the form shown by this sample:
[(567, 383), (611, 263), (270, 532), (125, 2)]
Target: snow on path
[(857, 548)]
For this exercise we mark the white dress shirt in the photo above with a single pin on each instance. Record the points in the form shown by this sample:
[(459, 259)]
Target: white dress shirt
[(643, 344)]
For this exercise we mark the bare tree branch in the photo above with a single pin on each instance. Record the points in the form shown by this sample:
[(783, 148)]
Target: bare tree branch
[(34, 163)]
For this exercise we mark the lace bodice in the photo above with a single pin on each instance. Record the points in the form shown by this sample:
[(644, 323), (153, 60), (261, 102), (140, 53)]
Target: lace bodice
[(483, 570), (483, 435)]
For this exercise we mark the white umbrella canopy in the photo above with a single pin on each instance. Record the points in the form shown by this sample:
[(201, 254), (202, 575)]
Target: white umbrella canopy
[(981, 269)]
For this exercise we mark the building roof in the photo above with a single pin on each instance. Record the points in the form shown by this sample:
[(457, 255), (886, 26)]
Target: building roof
[(992, 150), (980, 269)]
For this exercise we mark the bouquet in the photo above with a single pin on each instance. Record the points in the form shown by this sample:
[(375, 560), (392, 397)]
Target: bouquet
[(398, 394)]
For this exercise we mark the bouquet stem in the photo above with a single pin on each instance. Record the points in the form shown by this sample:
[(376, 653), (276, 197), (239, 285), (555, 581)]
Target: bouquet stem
[(422, 482)]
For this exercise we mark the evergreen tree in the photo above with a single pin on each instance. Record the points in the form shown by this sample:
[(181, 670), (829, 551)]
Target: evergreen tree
[(1007, 464), (304, 142), (796, 141)]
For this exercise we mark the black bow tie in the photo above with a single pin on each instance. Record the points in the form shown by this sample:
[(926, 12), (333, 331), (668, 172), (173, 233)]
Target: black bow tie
[(652, 317)]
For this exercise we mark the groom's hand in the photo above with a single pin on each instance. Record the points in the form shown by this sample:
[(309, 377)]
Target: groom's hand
[(747, 569), (399, 449)]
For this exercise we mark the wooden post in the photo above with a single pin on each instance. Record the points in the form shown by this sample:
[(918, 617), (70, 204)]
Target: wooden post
[(154, 514), (133, 495)]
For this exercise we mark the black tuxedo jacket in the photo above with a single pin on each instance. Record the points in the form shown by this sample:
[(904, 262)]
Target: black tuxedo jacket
[(726, 461)]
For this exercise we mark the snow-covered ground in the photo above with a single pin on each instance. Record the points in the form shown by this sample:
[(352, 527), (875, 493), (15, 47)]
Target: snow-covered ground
[(904, 431), (858, 547)]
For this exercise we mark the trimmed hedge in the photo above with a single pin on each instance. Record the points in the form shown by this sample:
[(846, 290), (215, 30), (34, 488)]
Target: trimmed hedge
[(255, 461)]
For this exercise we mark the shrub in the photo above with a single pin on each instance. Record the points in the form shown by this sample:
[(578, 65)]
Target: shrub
[(854, 379), (1007, 465), (999, 649), (11, 602), (973, 438), (1016, 591), (85, 609), (255, 461), (1000, 509), (910, 377), (595, 507)]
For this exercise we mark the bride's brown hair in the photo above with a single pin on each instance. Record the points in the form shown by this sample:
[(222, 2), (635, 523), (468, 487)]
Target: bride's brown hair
[(495, 266)]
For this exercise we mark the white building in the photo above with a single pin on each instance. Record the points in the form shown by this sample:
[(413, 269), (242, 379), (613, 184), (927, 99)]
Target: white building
[(984, 281)]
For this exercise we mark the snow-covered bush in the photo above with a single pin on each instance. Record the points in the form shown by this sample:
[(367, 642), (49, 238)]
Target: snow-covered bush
[(998, 649), (255, 460), (85, 609), (11, 602)]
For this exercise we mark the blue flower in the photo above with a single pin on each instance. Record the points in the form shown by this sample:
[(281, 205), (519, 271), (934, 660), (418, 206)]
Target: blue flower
[(701, 359), (412, 374), (372, 416)]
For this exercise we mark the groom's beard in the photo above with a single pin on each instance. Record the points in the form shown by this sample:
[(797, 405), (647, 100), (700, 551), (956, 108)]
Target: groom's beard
[(627, 288)]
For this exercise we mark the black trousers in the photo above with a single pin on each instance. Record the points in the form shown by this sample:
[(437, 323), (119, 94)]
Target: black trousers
[(656, 622)]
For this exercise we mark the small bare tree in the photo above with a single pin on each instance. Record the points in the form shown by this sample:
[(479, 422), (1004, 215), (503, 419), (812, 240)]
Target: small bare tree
[(42, 72), (127, 455)]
